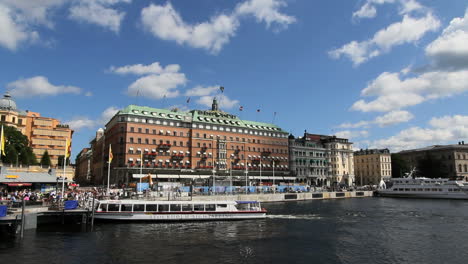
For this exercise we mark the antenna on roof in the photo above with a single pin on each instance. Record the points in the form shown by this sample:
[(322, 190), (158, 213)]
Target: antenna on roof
[(164, 102), (136, 97), (274, 117)]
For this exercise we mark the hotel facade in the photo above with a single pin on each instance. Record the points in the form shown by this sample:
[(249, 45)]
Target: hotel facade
[(191, 144), (44, 133)]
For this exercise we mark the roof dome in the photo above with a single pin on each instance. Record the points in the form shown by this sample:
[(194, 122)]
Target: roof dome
[(6, 103)]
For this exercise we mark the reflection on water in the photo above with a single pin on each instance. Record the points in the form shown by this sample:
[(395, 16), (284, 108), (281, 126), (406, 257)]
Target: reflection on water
[(365, 230)]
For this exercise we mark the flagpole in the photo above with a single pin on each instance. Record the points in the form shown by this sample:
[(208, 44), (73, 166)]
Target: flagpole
[(108, 169), (141, 167), (64, 168)]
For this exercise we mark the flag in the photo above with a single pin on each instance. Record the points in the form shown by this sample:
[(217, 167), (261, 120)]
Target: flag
[(188, 100), (2, 139), (111, 156), (141, 157), (222, 89), (241, 108), (67, 148)]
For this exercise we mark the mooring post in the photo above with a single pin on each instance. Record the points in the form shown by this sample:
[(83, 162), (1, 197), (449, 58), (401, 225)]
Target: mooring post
[(22, 217)]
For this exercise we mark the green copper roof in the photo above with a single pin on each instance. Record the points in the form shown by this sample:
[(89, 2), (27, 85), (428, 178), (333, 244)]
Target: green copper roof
[(199, 116)]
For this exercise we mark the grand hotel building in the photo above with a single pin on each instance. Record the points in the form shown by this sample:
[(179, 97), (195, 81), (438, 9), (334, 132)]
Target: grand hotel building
[(187, 143)]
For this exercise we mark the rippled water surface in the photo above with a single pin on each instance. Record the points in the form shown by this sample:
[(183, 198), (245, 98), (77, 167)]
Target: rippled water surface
[(361, 230)]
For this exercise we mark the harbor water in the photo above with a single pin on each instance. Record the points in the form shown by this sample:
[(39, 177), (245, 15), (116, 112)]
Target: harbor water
[(359, 230)]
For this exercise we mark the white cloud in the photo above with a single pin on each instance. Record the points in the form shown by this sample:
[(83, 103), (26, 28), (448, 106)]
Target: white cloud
[(223, 101), (393, 93), (140, 69), (107, 115), (409, 30), (202, 91), (164, 22), (352, 134), (12, 31), (39, 86), (99, 12), (391, 118), (158, 83), (444, 130), (266, 11), (81, 122), (158, 86), (450, 49), (369, 10)]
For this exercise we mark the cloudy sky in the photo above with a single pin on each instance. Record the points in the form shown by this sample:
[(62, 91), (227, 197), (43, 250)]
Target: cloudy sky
[(384, 73)]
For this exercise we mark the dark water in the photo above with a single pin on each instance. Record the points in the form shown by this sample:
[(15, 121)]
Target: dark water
[(365, 230)]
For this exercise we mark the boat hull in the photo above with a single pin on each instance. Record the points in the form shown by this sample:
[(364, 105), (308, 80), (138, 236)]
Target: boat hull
[(169, 217), (453, 196)]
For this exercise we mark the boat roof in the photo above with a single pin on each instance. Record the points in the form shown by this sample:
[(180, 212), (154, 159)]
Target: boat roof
[(165, 202)]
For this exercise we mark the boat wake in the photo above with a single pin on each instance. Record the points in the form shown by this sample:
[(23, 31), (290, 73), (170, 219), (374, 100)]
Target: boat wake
[(295, 217)]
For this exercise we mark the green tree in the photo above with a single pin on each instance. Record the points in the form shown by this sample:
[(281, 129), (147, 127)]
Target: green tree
[(45, 160), (17, 147), (399, 166)]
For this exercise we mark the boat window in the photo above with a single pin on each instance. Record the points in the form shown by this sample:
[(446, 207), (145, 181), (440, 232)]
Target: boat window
[(186, 207), (138, 207), (151, 208), (221, 205), (434, 190), (427, 190), (198, 207), (175, 207), (104, 207), (210, 207), (413, 189), (163, 208), (406, 189), (126, 208), (113, 207)]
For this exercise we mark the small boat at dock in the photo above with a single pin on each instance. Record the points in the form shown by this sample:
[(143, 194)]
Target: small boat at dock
[(164, 211)]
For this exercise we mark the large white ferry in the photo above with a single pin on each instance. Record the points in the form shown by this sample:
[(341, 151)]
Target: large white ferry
[(141, 210), (424, 188)]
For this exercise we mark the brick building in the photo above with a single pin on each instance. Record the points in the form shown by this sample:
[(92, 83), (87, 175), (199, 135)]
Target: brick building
[(188, 144)]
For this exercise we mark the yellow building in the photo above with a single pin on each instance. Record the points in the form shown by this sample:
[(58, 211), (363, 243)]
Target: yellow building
[(372, 165), (44, 133)]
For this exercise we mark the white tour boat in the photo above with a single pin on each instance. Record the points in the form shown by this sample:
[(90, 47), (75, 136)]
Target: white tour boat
[(410, 187), (142, 210)]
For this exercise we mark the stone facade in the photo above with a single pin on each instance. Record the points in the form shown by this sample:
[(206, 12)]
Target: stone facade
[(308, 160), (454, 158), (372, 165)]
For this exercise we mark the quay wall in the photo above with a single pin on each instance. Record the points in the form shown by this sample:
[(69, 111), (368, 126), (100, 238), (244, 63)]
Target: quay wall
[(286, 197)]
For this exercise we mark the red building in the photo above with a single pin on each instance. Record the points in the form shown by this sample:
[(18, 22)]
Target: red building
[(187, 143)]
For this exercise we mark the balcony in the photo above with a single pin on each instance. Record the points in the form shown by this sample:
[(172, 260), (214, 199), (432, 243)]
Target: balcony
[(164, 146)]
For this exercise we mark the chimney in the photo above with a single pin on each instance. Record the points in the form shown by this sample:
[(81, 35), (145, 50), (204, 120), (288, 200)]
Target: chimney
[(463, 142)]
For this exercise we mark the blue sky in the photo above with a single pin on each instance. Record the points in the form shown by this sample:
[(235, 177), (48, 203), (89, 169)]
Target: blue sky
[(383, 73)]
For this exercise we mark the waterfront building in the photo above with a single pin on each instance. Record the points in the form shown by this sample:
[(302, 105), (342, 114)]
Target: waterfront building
[(308, 160), (44, 133), (83, 166), (195, 142), (372, 165), (453, 158)]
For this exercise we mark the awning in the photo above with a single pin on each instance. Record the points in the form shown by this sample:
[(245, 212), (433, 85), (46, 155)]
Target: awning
[(146, 150), (167, 160), (187, 161), (19, 184), (153, 150), (188, 152)]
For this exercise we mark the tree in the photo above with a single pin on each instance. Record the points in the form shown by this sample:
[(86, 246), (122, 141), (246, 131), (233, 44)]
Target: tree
[(399, 166), (60, 161), (45, 160), (431, 167), (17, 147)]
